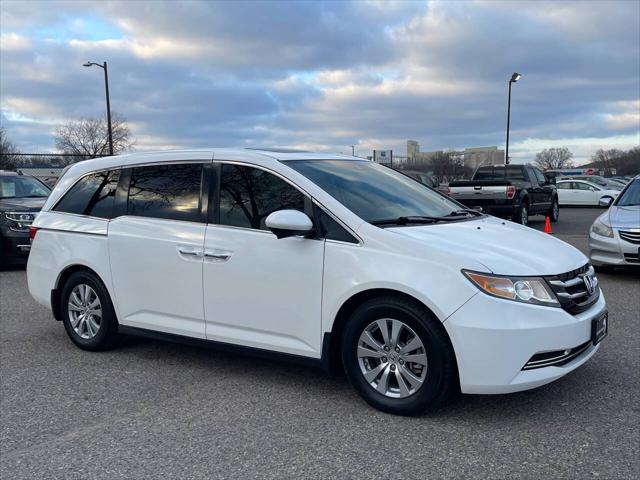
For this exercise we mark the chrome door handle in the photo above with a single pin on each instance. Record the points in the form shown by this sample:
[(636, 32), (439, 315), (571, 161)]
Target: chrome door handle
[(189, 252), (217, 255)]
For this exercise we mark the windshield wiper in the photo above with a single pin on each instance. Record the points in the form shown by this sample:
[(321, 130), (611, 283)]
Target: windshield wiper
[(465, 211), (414, 219)]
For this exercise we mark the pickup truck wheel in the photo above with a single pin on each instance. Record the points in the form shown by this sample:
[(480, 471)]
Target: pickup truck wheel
[(522, 215), (554, 212)]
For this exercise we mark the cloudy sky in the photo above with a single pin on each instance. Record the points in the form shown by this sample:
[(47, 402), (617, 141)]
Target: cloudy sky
[(327, 75)]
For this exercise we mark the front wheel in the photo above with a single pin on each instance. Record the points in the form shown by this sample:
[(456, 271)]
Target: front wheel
[(554, 211), (397, 357), (87, 313)]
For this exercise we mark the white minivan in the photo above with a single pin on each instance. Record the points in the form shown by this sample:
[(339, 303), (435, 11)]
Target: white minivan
[(330, 259)]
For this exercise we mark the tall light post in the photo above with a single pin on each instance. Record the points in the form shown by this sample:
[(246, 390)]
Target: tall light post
[(514, 78), (106, 88), (353, 150)]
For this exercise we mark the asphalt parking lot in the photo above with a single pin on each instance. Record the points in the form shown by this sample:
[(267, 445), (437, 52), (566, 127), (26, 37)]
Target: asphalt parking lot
[(151, 409)]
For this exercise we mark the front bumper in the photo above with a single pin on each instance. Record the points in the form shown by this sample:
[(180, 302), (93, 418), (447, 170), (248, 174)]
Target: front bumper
[(493, 339), (14, 246), (612, 251)]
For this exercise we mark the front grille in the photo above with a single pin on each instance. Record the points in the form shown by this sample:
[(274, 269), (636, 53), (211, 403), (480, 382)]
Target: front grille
[(556, 358), (572, 291), (630, 236), (632, 258)]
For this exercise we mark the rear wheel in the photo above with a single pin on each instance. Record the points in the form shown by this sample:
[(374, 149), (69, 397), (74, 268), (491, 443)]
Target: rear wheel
[(522, 215), (554, 211), (397, 357), (87, 312)]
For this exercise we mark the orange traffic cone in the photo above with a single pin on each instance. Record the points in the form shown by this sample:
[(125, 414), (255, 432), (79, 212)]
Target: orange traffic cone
[(547, 226)]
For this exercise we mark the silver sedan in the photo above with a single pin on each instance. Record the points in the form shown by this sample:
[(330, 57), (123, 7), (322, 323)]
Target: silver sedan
[(614, 238)]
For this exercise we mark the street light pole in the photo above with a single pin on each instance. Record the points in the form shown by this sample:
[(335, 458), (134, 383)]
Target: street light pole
[(106, 88), (353, 150), (514, 78)]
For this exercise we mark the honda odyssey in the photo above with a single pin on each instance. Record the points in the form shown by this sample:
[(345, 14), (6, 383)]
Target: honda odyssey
[(330, 259)]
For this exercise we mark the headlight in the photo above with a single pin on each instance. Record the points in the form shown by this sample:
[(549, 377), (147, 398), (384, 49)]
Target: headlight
[(19, 217), (520, 289), (599, 228), (19, 221)]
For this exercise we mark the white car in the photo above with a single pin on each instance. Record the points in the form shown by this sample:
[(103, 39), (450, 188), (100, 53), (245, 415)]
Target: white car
[(581, 192), (614, 238), (329, 259)]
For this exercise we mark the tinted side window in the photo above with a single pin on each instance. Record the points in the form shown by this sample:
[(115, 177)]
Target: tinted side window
[(93, 195), (581, 186), (166, 191), (539, 175), (248, 195), (564, 186)]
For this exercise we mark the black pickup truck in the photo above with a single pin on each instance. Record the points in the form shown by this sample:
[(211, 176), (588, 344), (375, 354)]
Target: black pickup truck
[(512, 191)]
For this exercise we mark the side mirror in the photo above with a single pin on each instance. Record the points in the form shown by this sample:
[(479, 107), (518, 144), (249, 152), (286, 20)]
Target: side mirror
[(605, 201), (289, 223)]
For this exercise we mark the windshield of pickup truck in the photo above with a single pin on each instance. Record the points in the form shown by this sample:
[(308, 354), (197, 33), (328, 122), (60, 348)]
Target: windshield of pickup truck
[(500, 173), (376, 193)]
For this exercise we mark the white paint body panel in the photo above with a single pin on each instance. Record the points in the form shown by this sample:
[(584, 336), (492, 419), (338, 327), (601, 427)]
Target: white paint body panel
[(267, 294), (249, 288), (156, 286), (584, 197)]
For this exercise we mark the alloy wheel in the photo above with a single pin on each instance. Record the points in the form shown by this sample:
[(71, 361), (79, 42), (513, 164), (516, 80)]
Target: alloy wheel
[(85, 311), (392, 358)]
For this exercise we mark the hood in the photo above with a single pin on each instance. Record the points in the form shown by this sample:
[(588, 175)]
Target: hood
[(624, 217), (22, 204), (504, 247)]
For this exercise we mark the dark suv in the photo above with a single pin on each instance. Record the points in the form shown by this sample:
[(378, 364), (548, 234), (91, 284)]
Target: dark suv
[(21, 198)]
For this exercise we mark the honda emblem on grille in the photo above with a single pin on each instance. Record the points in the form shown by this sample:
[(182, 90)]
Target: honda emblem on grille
[(588, 282)]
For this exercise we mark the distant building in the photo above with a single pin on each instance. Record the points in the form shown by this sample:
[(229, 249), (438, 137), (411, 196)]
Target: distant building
[(474, 157), (477, 156)]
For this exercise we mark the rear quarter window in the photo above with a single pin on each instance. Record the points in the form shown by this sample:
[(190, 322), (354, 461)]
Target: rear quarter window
[(92, 195)]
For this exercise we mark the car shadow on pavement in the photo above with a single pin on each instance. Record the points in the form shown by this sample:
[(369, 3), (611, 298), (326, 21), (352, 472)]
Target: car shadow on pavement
[(281, 374)]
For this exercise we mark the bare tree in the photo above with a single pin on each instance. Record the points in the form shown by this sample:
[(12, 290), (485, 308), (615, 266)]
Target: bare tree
[(8, 161), (605, 160), (89, 136), (554, 158), (447, 166)]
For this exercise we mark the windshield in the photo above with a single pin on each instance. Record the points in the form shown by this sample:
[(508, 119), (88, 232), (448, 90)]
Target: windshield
[(19, 187), (374, 192), (631, 196)]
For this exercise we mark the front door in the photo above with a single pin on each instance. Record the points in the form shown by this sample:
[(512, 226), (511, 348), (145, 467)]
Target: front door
[(156, 250), (260, 291)]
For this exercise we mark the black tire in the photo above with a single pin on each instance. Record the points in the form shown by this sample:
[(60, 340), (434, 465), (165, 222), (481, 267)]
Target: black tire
[(554, 211), (441, 379), (107, 333), (522, 215)]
